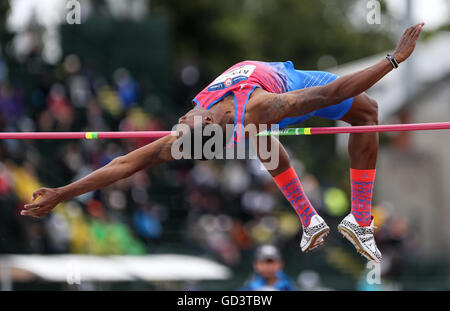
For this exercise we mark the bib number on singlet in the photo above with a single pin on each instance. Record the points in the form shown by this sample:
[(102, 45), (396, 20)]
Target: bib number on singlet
[(231, 77)]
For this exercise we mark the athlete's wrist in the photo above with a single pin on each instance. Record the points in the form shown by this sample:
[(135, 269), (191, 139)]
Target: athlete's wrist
[(64, 193), (393, 60)]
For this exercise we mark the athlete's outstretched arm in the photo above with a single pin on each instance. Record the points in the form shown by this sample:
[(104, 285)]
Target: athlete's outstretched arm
[(304, 101), (121, 167)]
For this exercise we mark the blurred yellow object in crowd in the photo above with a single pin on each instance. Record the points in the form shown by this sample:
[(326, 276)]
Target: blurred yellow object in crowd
[(109, 100), (288, 223), (139, 118), (262, 234), (80, 238), (24, 183), (336, 201)]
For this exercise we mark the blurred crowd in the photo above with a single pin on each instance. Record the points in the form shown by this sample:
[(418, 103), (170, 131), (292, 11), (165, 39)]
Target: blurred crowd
[(118, 219)]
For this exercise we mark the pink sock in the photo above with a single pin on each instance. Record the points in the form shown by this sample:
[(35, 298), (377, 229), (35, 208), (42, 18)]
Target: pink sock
[(362, 185), (292, 189)]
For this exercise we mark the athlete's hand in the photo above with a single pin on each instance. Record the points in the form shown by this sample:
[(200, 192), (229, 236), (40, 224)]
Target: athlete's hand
[(407, 42), (48, 199)]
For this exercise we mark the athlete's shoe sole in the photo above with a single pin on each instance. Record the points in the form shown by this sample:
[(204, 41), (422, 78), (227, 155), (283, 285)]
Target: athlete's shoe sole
[(349, 235), (317, 239)]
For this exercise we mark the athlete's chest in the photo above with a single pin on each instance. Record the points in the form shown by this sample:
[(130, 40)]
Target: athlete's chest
[(233, 78), (230, 103)]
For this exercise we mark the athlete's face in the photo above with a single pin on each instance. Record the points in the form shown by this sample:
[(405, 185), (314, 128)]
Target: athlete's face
[(206, 121), (198, 114)]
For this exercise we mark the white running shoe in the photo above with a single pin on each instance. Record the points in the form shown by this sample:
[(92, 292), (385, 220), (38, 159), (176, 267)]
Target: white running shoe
[(361, 237), (313, 234)]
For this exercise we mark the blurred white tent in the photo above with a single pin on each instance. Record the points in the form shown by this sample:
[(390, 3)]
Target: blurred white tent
[(70, 268)]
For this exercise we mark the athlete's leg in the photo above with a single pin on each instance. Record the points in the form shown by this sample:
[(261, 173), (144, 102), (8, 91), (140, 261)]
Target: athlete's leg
[(286, 178), (288, 182), (363, 149), (357, 227)]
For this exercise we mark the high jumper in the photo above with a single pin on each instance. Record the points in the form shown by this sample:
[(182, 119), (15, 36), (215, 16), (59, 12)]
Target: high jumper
[(266, 94)]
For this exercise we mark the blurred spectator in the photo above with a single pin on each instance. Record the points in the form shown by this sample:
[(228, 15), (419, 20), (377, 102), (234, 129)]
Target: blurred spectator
[(269, 275), (127, 88), (11, 103)]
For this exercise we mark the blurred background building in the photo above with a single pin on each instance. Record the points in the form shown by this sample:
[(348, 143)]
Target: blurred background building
[(136, 66)]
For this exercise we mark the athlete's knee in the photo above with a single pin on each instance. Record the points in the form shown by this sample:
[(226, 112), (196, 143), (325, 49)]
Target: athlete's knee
[(372, 115), (368, 114)]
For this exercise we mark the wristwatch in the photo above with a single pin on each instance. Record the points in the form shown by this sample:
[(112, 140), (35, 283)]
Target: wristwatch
[(393, 61)]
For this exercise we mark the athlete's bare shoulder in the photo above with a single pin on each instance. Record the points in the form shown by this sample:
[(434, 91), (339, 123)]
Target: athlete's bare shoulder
[(269, 108), (265, 107), (254, 105)]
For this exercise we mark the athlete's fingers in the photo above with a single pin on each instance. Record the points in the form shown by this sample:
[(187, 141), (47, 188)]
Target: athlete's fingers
[(417, 32), (419, 26), (30, 206), (38, 193), (37, 208), (412, 29), (25, 212), (416, 27), (29, 211), (408, 31), (37, 213), (405, 34)]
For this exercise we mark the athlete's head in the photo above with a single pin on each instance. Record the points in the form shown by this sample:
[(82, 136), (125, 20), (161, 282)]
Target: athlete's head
[(207, 117), (202, 126)]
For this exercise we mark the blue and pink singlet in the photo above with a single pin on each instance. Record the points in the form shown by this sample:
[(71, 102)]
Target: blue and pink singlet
[(278, 77)]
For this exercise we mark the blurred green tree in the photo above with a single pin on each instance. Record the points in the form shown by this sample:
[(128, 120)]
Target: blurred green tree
[(301, 31)]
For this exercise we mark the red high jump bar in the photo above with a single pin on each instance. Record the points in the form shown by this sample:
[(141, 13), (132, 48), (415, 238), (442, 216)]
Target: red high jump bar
[(283, 132)]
